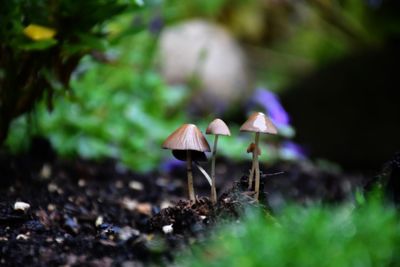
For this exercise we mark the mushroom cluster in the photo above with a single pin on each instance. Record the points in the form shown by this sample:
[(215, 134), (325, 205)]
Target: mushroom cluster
[(189, 144), (257, 123)]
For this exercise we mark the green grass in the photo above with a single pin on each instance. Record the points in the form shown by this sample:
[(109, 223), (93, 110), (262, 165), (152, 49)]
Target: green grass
[(346, 235)]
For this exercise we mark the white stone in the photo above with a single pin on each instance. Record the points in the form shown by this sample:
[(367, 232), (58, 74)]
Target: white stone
[(166, 204), (81, 183), (129, 204), (135, 185), (52, 187), (22, 237), (167, 229), (45, 172), (19, 205), (99, 221), (202, 49), (127, 232)]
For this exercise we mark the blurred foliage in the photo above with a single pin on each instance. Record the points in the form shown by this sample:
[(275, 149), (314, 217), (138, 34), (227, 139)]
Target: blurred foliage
[(41, 43), (116, 109), (287, 39), (366, 235), (119, 106)]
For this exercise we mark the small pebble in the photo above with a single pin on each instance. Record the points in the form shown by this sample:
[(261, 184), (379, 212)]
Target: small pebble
[(59, 240), (167, 229), (72, 224), (129, 204), (127, 232), (144, 208), (22, 237), (99, 221), (19, 205), (135, 185), (81, 183), (166, 204), (52, 187), (51, 207), (3, 238), (45, 172)]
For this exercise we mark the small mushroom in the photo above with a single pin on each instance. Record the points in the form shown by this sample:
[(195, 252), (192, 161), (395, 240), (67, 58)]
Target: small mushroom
[(250, 149), (258, 123), (217, 127), (188, 143)]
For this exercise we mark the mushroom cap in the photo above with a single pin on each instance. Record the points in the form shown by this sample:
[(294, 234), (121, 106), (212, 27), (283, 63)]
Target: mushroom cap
[(258, 122), (196, 155), (218, 127), (187, 137), (251, 147)]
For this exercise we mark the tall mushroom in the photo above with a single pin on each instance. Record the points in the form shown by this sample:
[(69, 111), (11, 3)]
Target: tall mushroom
[(217, 127), (258, 123), (251, 149), (188, 143)]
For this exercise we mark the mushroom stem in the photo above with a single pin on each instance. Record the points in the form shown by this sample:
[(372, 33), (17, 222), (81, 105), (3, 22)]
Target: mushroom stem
[(256, 167), (251, 173), (213, 188), (190, 175)]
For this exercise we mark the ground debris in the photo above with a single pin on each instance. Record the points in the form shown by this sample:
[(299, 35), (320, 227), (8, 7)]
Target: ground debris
[(85, 213)]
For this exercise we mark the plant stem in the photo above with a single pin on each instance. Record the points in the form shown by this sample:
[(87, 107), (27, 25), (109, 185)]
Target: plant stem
[(190, 176), (213, 188), (257, 167), (251, 173)]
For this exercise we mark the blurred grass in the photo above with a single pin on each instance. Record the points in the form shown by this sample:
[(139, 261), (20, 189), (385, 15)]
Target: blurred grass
[(345, 235)]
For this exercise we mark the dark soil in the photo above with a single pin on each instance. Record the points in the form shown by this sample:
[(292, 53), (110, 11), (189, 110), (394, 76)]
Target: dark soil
[(100, 214)]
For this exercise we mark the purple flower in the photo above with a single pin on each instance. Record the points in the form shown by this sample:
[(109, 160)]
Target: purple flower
[(156, 24), (291, 150), (271, 105), (171, 165)]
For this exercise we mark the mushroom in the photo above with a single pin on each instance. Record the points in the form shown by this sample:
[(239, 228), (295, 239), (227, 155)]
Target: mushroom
[(188, 143), (217, 127), (251, 149), (258, 123)]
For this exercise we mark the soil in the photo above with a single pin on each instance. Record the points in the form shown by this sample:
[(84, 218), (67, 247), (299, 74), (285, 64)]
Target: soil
[(101, 214)]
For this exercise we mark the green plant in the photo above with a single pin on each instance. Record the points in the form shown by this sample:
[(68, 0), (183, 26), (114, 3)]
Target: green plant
[(42, 42), (367, 235)]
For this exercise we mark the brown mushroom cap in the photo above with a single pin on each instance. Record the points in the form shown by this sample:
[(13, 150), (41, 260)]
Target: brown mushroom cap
[(187, 137), (218, 127), (259, 123), (251, 147)]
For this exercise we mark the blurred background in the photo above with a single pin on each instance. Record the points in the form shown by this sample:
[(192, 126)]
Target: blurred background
[(111, 79)]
